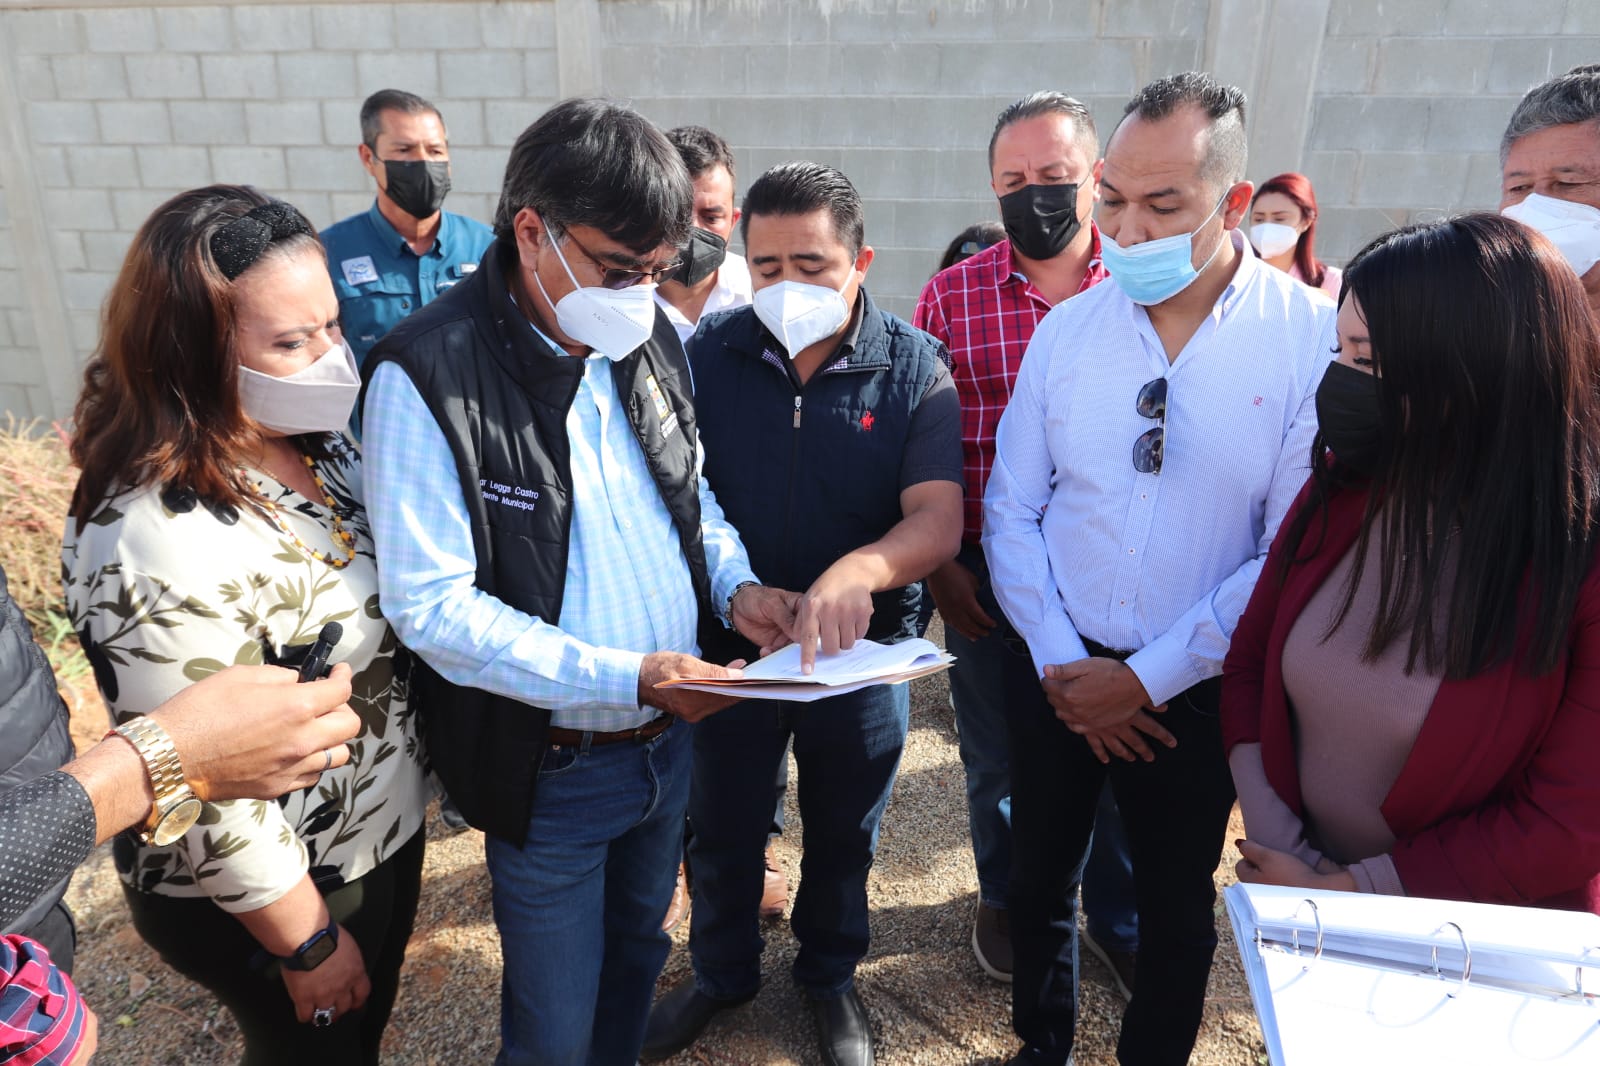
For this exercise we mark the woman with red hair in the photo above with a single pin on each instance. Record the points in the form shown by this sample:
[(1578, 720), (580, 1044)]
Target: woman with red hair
[(1283, 228)]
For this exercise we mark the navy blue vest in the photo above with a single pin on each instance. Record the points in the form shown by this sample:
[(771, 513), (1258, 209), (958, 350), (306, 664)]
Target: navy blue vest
[(811, 475)]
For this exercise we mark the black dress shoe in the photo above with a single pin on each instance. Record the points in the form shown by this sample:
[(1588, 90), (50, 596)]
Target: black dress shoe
[(1032, 1056), (844, 1035), (678, 1018)]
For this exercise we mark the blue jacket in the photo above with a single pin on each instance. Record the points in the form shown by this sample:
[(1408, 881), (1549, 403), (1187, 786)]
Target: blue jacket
[(809, 475)]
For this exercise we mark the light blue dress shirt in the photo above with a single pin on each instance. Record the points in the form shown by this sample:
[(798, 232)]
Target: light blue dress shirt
[(1080, 544), (628, 590)]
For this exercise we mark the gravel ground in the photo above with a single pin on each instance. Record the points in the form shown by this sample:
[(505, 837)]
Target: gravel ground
[(929, 1001)]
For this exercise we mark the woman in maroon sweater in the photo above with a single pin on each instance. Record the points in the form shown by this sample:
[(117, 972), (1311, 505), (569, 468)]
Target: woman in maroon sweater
[(1411, 703)]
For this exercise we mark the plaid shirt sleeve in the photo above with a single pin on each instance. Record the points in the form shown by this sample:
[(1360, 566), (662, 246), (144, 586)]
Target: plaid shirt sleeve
[(42, 1018)]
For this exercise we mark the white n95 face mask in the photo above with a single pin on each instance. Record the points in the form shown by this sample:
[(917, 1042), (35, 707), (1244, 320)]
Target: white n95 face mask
[(1573, 228), (314, 399), (1273, 238), (800, 315), (613, 322)]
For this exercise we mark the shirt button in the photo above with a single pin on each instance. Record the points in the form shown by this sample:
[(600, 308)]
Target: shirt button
[(1144, 495), (1122, 603), (627, 524), (1130, 551), (405, 303)]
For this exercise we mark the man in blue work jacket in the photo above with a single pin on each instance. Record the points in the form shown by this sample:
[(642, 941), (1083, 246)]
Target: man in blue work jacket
[(391, 259), (833, 442)]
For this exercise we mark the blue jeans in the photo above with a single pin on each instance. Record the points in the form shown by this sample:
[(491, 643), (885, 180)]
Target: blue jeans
[(846, 751), (579, 904), (978, 680)]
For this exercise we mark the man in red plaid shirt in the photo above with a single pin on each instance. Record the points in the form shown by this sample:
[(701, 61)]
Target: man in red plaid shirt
[(1041, 162)]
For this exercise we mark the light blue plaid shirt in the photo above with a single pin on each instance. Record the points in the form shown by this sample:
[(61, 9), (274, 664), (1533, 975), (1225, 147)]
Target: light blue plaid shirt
[(627, 591)]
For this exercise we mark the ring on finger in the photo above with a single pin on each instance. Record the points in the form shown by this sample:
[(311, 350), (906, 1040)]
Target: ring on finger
[(322, 1017), (327, 761)]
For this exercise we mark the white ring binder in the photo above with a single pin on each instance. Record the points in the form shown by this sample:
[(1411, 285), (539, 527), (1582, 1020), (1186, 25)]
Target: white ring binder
[(1466, 951)]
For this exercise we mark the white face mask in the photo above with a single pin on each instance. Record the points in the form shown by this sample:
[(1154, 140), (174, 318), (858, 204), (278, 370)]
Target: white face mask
[(1273, 238), (314, 399), (800, 315), (613, 322), (1573, 228)]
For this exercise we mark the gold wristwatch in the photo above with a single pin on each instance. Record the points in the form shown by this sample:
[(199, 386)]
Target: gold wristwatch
[(176, 807)]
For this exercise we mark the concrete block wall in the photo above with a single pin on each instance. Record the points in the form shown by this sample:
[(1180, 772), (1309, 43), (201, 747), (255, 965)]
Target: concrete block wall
[(1410, 100), (1393, 107)]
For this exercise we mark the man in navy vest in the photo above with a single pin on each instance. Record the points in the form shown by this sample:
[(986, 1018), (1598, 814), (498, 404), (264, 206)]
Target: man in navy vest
[(833, 442)]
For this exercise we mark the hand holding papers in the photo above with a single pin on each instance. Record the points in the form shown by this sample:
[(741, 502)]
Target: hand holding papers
[(1343, 977), (778, 676)]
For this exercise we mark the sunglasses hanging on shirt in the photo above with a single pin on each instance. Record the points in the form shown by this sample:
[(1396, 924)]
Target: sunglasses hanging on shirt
[(1151, 403)]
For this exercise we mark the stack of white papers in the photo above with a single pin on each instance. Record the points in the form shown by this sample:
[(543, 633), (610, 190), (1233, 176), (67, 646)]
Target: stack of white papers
[(778, 676), (1408, 980)]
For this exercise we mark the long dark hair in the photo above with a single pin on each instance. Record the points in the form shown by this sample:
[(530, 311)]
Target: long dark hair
[(160, 400), (1489, 387), (1297, 187)]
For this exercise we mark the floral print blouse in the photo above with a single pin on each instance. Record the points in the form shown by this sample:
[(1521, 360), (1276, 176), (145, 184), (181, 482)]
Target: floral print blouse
[(165, 589)]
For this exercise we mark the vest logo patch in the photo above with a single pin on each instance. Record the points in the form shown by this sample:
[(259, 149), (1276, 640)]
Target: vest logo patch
[(866, 421), (507, 495), (359, 271), (664, 411)]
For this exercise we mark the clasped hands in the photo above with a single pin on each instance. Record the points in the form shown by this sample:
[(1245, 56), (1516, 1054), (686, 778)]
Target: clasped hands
[(1103, 701)]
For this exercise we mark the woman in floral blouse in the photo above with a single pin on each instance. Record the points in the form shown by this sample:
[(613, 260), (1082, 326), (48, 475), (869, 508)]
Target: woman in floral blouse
[(219, 520)]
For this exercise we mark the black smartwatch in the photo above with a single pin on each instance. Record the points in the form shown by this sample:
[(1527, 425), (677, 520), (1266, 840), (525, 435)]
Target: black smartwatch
[(313, 952)]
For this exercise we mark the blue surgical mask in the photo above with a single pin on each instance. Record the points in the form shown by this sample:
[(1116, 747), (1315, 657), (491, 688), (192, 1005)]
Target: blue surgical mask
[(1158, 270)]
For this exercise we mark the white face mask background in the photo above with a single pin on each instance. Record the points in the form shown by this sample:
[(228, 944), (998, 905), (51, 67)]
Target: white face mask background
[(613, 322), (800, 314), (1573, 228)]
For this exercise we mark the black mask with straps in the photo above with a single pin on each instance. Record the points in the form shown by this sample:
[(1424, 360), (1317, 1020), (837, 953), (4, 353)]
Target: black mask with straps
[(417, 187), (1041, 220), (702, 257), (1349, 417)]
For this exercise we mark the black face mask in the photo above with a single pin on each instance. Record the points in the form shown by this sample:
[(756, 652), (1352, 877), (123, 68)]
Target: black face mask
[(1349, 417), (1041, 220), (417, 187), (701, 257)]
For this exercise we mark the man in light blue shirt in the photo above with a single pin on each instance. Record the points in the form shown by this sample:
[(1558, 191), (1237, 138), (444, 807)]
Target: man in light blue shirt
[(1160, 426), (403, 251), (549, 550)]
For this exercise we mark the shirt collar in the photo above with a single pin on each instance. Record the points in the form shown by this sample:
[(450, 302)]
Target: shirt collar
[(390, 238), (997, 267)]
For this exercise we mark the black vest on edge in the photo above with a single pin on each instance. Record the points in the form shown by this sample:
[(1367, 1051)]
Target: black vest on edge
[(501, 397), (34, 734)]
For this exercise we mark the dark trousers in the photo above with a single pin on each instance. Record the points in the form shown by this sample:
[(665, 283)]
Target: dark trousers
[(210, 947), (846, 751), (58, 932), (1175, 812)]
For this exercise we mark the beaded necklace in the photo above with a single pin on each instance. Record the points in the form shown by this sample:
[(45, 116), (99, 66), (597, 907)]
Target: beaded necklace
[(341, 536)]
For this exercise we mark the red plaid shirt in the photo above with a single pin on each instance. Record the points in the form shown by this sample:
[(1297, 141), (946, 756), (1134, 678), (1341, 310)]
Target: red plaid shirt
[(985, 313)]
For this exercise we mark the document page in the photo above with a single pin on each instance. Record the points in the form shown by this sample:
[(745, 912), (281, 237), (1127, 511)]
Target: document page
[(866, 663)]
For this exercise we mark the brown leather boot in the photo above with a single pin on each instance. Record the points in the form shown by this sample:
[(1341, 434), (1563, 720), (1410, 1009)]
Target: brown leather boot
[(678, 909), (774, 889)]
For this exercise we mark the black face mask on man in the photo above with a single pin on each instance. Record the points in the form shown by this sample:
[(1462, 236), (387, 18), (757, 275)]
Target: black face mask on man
[(1041, 220), (417, 187), (702, 257), (1349, 417)]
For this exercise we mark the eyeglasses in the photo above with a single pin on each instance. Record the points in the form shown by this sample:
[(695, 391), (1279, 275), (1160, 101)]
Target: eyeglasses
[(621, 278), (1152, 403)]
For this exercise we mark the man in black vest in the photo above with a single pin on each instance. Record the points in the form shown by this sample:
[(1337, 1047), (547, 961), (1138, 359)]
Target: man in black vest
[(548, 549), (833, 439)]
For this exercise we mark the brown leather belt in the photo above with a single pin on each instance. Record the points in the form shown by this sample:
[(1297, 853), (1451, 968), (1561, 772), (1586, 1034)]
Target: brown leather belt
[(560, 738)]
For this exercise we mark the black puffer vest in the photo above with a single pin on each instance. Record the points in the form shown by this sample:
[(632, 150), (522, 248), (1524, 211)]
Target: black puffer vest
[(501, 395), (34, 734)]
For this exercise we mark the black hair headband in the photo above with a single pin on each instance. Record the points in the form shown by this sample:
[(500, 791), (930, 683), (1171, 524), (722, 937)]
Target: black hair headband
[(236, 246)]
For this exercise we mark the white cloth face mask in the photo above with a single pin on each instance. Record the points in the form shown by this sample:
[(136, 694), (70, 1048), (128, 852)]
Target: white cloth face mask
[(613, 322), (314, 399), (1573, 228), (800, 315), (1273, 238)]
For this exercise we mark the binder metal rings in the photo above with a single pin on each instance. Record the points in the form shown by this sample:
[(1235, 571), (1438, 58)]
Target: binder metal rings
[(1294, 934), (1466, 951)]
